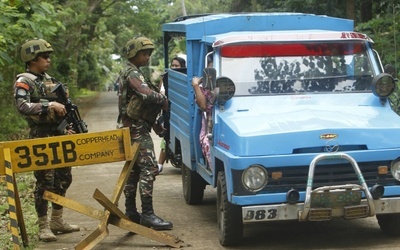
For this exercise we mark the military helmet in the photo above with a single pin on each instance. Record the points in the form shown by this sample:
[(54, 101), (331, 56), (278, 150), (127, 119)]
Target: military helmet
[(31, 48), (137, 44)]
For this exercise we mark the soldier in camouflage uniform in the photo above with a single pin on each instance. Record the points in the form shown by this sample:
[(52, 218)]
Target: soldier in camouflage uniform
[(35, 101), (140, 102)]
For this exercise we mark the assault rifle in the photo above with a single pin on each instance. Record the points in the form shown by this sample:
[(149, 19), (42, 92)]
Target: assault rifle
[(72, 118)]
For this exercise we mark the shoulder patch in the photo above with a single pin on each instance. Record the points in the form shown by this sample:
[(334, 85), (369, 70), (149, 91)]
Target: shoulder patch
[(21, 92), (22, 85)]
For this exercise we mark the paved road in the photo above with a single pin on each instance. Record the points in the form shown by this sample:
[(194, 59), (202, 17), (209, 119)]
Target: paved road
[(196, 225)]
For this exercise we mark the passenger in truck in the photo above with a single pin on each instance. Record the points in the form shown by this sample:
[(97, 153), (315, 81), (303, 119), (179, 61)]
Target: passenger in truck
[(176, 63), (205, 102)]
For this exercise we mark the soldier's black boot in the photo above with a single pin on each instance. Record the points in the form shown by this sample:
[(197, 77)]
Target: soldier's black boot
[(130, 209), (134, 217), (153, 221), (149, 219), (130, 200)]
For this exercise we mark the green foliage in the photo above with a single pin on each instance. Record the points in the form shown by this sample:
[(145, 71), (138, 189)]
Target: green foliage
[(18, 23), (85, 35), (25, 183), (384, 31), (87, 72), (12, 125), (395, 102)]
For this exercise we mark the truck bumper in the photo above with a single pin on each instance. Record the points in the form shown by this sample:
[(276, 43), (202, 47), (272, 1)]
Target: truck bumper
[(281, 212)]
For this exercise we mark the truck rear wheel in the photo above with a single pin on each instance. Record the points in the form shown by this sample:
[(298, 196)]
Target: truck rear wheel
[(229, 216), (193, 186), (389, 223)]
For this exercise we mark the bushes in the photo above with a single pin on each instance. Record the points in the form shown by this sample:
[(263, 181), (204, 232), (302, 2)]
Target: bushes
[(25, 183), (13, 125)]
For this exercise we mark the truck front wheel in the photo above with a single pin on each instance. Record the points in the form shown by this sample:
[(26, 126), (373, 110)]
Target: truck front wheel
[(229, 216), (193, 186), (389, 223)]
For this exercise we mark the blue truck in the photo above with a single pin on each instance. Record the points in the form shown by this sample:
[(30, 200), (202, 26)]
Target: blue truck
[(302, 125)]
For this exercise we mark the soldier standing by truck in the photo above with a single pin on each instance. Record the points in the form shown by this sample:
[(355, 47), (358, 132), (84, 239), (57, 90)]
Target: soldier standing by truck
[(35, 101), (139, 103)]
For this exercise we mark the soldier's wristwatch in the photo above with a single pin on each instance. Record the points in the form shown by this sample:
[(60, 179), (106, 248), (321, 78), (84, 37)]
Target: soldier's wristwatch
[(45, 109)]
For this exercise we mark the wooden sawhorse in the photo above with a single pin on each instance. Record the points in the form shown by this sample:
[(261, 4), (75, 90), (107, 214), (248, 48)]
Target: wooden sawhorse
[(112, 214), (76, 150)]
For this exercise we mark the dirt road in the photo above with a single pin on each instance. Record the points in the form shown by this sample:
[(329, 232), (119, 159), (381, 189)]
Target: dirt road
[(196, 225)]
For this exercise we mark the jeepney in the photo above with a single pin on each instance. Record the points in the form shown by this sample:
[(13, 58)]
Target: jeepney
[(302, 128)]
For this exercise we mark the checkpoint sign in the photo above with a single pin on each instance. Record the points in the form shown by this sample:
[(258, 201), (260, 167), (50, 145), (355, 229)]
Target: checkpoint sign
[(68, 150)]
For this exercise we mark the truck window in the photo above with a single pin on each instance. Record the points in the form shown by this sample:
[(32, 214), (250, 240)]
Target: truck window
[(306, 67)]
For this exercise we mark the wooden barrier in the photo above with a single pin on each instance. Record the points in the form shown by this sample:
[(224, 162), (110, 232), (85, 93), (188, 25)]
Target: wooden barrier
[(68, 150), (75, 150), (16, 216)]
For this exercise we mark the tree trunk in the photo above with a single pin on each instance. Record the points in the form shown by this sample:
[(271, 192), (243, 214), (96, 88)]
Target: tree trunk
[(239, 5), (183, 8), (351, 9), (366, 10)]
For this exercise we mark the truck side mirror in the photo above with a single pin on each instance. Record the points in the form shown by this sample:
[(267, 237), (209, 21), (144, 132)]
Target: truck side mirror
[(383, 85), (225, 89)]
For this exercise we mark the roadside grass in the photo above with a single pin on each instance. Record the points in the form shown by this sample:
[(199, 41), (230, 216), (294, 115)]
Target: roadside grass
[(84, 99), (25, 184)]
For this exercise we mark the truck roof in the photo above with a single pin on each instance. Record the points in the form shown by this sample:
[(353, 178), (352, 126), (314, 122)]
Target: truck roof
[(283, 36), (198, 27)]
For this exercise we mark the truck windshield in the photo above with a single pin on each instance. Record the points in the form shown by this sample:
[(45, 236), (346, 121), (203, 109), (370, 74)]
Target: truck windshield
[(307, 67)]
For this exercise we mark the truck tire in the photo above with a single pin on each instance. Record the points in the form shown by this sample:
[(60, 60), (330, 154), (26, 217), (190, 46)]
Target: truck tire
[(389, 223), (193, 186), (229, 216)]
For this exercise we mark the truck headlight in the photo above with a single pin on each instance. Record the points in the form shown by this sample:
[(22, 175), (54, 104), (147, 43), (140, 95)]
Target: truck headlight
[(254, 178), (395, 169)]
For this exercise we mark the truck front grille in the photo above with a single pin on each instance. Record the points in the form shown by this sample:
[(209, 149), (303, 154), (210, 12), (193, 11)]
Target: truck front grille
[(325, 175)]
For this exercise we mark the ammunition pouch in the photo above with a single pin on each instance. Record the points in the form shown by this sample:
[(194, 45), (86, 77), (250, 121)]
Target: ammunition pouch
[(44, 130), (151, 113), (135, 108), (42, 120)]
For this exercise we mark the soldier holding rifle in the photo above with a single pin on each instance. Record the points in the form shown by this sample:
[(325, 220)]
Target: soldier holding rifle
[(44, 114)]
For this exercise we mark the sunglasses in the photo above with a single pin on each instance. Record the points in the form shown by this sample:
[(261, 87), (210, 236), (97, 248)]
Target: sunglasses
[(45, 56)]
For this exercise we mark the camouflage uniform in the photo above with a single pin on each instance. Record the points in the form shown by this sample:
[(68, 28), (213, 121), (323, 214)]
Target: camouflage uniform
[(144, 104), (32, 93), (34, 100)]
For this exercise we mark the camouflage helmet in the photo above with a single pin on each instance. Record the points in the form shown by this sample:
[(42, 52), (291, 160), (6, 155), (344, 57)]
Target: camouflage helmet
[(133, 46), (31, 48)]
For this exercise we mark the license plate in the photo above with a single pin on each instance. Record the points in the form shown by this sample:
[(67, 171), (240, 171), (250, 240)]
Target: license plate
[(337, 198)]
